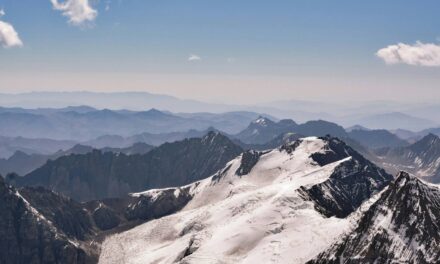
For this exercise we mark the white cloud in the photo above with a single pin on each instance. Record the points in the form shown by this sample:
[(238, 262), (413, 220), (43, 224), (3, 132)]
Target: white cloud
[(230, 60), (194, 57), (8, 36), (420, 54), (78, 11)]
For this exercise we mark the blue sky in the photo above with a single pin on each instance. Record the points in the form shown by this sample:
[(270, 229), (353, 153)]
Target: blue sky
[(247, 50)]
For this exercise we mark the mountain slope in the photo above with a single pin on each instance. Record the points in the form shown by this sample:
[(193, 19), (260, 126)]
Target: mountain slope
[(98, 175), (401, 227), (27, 236), (379, 138), (421, 158), (253, 210), (40, 226)]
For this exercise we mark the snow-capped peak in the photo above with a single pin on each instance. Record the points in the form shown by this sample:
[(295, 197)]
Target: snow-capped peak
[(249, 212), (262, 121)]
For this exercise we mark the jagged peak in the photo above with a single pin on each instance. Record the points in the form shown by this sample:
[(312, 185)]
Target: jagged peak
[(213, 136), (403, 178)]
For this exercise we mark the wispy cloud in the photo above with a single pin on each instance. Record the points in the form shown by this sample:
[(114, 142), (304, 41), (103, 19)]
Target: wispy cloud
[(419, 54), (231, 60), (78, 11), (107, 5), (194, 57), (8, 36)]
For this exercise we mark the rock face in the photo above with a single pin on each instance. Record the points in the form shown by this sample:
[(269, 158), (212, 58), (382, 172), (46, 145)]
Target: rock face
[(105, 217), (351, 183), (99, 175), (63, 212), (400, 227), (41, 226), (421, 158), (155, 205), (27, 236), (248, 161)]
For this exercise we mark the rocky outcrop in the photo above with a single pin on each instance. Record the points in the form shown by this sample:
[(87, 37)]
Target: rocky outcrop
[(27, 236), (248, 161), (351, 183), (400, 227)]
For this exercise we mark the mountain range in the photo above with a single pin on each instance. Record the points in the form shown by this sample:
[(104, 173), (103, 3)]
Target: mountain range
[(99, 174), (313, 199), (263, 130), (85, 123), (22, 163), (284, 205), (374, 114)]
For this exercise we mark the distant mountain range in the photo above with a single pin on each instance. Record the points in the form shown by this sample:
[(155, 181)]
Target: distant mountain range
[(85, 123), (262, 133), (263, 130), (97, 175), (379, 138), (9, 145), (374, 114), (393, 120), (23, 163)]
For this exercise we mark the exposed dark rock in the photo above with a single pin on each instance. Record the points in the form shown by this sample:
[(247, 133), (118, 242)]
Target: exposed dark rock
[(166, 202), (335, 150), (64, 213), (352, 182), (105, 217), (248, 161), (98, 175), (400, 227), (28, 237), (290, 147)]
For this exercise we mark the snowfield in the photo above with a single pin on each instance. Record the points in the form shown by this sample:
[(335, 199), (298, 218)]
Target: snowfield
[(253, 218)]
